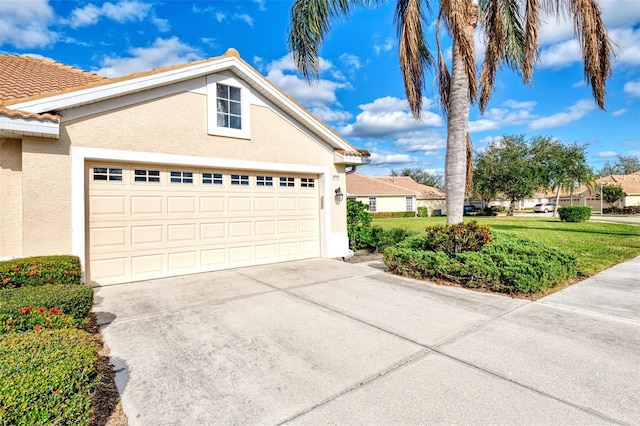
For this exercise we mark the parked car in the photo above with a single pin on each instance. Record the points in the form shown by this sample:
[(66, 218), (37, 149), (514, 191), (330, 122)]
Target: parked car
[(469, 208), (544, 208)]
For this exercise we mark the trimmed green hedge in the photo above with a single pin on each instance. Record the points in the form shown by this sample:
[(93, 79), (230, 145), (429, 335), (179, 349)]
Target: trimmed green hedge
[(47, 377), (574, 213), (423, 211), (73, 300), (507, 264), (40, 270), (386, 215)]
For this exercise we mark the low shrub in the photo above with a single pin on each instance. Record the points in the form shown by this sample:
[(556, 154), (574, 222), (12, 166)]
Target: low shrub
[(386, 215), (506, 264), (40, 270), (423, 211), (47, 377), (383, 238), (623, 210), (498, 209), (29, 318), (358, 225), (73, 300), (458, 238), (574, 213)]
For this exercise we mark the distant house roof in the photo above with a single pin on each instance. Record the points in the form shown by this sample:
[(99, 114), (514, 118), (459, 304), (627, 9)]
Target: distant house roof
[(630, 183), (407, 182), (359, 185)]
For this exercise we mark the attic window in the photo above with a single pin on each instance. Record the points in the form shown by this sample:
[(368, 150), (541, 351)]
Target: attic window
[(228, 106)]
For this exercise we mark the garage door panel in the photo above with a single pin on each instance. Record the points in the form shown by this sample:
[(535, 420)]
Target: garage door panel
[(141, 230), (147, 263), (181, 233), (145, 205), (212, 204), (109, 237), (183, 260), (181, 205), (213, 257), (212, 231), (108, 205)]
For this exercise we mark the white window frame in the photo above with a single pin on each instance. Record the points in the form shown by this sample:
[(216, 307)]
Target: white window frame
[(212, 107), (286, 182), (307, 183), (152, 176), (264, 181), (240, 180), (178, 177), (214, 177), (408, 201), (373, 204), (111, 174)]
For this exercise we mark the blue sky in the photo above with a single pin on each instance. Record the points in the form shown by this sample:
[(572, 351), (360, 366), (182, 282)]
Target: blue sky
[(360, 93)]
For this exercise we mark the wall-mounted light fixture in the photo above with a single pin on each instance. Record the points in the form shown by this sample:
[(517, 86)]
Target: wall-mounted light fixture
[(339, 195)]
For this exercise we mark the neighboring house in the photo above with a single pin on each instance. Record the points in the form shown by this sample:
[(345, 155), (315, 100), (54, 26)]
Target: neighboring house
[(184, 169), (585, 196), (394, 194)]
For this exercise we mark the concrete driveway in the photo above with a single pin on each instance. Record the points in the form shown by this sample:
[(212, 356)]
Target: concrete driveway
[(326, 342)]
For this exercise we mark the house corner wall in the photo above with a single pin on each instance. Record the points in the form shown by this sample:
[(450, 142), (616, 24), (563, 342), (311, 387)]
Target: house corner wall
[(10, 198), (46, 201)]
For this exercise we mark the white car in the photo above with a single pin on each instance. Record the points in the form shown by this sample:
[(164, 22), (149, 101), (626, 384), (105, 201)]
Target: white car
[(544, 208)]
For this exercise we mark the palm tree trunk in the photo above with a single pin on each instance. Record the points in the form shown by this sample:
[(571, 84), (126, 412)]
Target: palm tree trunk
[(457, 128)]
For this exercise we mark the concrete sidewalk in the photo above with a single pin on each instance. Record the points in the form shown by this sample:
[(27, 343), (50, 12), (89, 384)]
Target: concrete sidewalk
[(325, 342)]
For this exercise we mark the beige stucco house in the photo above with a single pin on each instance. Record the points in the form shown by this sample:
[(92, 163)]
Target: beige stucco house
[(184, 169), (394, 194)]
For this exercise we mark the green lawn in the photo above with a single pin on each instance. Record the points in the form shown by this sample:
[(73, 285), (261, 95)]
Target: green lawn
[(597, 246)]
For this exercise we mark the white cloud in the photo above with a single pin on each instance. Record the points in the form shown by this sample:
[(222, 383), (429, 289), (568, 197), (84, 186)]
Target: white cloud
[(618, 113), (331, 115), (495, 118), (220, 16), (244, 18), (560, 55), (163, 52), (607, 154), (161, 24), (261, 4), (385, 46), (627, 46), (380, 159), (124, 11), (632, 88), (576, 112), (283, 73), (25, 24), (428, 142), (351, 61), (390, 117)]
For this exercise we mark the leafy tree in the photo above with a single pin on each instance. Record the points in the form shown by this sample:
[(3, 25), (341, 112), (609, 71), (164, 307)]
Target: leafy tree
[(558, 166), (505, 167), (625, 165), (510, 29), (612, 193), (358, 224), (423, 176)]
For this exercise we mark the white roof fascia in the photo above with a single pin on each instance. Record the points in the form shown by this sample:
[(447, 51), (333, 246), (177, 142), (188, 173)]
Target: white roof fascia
[(29, 127), (350, 160), (120, 88)]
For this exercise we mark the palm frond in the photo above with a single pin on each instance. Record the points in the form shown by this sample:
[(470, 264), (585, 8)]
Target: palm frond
[(310, 22), (504, 37), (532, 26), (413, 51), (597, 48)]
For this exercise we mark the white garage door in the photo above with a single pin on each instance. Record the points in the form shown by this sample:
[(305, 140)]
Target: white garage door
[(147, 221)]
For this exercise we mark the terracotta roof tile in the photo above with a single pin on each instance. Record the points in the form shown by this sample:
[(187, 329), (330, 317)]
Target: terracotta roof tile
[(365, 185), (24, 76), (28, 115), (408, 183)]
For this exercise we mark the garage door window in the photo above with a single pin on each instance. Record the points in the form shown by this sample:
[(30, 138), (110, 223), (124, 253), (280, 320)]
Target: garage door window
[(141, 175), (287, 182), (107, 174), (181, 177), (239, 180), (212, 178), (264, 180), (307, 183)]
